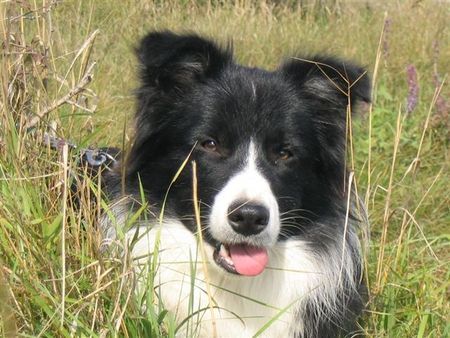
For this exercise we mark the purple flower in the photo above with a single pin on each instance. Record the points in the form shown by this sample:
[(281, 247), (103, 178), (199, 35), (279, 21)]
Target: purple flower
[(413, 89), (441, 103)]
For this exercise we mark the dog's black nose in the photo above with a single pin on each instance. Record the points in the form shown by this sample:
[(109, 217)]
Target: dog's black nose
[(248, 219)]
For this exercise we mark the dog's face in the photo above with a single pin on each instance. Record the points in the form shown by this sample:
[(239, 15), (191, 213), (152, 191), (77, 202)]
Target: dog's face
[(268, 147)]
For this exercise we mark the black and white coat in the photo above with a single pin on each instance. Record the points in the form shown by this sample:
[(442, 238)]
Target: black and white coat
[(267, 149)]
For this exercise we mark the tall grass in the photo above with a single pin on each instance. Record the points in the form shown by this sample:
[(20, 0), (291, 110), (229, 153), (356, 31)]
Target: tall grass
[(71, 63)]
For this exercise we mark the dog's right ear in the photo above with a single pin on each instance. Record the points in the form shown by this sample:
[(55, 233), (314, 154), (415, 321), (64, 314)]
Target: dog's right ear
[(175, 62)]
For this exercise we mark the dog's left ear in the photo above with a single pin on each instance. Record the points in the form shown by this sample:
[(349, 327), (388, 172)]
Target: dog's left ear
[(333, 82)]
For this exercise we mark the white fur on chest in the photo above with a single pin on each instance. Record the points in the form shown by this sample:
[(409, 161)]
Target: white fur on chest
[(240, 306)]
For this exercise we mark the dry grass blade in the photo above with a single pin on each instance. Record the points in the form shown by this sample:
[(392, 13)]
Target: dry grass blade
[(7, 318), (374, 81), (79, 87), (381, 272), (201, 244), (66, 187)]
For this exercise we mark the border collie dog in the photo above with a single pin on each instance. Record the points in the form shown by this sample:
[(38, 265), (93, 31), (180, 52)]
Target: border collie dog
[(250, 219)]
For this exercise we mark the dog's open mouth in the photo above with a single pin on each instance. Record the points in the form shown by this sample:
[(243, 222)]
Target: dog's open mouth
[(241, 259)]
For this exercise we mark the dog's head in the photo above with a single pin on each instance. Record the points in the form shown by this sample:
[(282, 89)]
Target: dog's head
[(268, 146)]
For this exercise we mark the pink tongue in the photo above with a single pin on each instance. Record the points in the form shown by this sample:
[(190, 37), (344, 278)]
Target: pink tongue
[(248, 260)]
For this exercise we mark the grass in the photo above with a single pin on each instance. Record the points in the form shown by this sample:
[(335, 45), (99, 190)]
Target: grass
[(54, 282)]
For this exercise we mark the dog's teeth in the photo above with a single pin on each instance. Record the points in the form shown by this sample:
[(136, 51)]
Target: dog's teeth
[(225, 254), (223, 251)]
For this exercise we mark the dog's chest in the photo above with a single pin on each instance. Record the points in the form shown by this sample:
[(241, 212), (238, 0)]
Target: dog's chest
[(214, 301)]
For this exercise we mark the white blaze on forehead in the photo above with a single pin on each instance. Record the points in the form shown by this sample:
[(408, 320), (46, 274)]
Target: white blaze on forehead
[(252, 157), (248, 185), (253, 90)]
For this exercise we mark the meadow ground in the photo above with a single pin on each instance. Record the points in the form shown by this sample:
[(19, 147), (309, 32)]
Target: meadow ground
[(72, 64)]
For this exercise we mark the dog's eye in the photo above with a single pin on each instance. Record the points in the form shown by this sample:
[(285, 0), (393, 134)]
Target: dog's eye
[(209, 145), (283, 155)]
